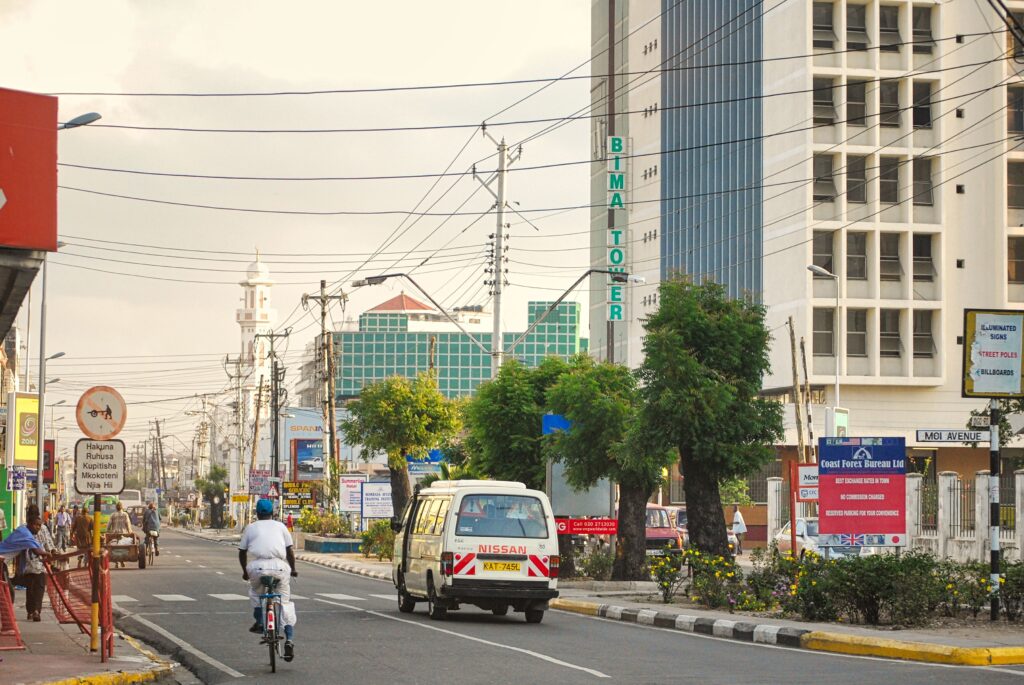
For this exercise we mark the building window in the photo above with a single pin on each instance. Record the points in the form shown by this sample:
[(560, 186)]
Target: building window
[(1018, 49), (857, 27), (889, 333), (824, 106), (1015, 257), (856, 256), (1015, 185), (889, 103), (922, 29), (856, 102), (1015, 109), (824, 332), (824, 183), (889, 180), (889, 28), (824, 28), (922, 104), (922, 180), (823, 250), (889, 257), (924, 268), (924, 348), (856, 332), (856, 179)]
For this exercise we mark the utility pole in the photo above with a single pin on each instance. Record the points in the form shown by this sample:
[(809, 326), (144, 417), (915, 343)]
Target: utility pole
[(500, 202), (327, 387), (274, 385), (160, 451), (807, 400), (255, 439), (802, 457), (236, 462)]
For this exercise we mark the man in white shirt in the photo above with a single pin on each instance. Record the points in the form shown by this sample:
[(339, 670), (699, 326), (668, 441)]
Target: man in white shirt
[(266, 550)]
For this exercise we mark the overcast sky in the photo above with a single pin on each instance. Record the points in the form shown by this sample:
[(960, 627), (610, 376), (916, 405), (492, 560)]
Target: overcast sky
[(158, 339)]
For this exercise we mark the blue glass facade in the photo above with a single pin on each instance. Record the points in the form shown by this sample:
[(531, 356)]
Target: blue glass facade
[(708, 232)]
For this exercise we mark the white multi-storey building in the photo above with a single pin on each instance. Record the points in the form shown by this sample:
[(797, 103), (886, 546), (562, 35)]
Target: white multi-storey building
[(875, 139)]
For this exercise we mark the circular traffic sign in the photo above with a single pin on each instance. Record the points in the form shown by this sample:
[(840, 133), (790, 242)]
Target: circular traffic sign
[(101, 412)]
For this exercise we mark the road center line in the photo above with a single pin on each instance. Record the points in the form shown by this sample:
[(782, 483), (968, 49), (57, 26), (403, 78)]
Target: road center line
[(188, 647), (521, 650)]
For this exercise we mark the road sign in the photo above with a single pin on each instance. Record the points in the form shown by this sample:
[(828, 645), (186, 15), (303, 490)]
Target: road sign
[(981, 421), (951, 435), (594, 526), (101, 412), (862, 484), (240, 498), (993, 347), (15, 478), (99, 467), (272, 491)]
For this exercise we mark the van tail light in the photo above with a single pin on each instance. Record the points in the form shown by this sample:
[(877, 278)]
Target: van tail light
[(553, 563), (447, 563)]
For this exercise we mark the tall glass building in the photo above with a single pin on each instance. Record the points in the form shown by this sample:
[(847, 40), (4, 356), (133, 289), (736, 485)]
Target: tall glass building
[(403, 337)]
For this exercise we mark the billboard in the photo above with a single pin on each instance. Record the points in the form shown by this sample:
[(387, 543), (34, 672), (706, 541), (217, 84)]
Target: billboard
[(49, 449), (566, 501), (862, 491), (993, 347), (296, 495), (307, 459), (28, 170), (376, 501), (24, 430), (351, 499)]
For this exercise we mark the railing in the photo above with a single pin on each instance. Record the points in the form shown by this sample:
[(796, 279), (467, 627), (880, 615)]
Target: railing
[(930, 507), (961, 514)]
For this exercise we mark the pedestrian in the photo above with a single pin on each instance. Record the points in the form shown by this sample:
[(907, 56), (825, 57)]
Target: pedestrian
[(3, 523), (81, 534), (290, 522), (739, 527), (118, 525), (151, 526), (34, 573), (63, 536)]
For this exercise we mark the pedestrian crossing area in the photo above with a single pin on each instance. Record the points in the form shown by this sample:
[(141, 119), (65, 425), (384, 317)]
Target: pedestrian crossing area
[(238, 597)]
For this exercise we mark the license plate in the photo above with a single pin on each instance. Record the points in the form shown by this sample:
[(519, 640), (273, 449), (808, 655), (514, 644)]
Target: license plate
[(655, 552), (505, 566)]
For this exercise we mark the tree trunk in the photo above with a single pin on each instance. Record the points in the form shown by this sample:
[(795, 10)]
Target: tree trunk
[(631, 552), (567, 565), (400, 490), (705, 521)]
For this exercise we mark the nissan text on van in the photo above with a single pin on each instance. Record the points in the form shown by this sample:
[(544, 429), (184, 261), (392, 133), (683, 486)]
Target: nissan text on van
[(492, 544)]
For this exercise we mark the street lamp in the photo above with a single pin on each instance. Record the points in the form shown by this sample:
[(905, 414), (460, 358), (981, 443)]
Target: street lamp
[(80, 120), (42, 394), (825, 273)]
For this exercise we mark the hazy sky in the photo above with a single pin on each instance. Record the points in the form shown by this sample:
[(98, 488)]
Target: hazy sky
[(158, 339)]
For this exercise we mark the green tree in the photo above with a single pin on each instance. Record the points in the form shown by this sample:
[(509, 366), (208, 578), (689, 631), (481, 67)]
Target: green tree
[(503, 421), (705, 356), (214, 484), (606, 440), (401, 416)]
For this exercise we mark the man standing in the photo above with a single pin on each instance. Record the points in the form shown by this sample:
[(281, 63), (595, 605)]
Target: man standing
[(739, 527), (63, 529), (151, 523), (81, 534), (118, 525), (35, 571), (269, 544)]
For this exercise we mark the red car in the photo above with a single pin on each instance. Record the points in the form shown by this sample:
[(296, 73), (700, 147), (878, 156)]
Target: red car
[(660, 531)]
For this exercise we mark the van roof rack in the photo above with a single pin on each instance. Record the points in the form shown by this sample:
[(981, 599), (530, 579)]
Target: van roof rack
[(478, 483)]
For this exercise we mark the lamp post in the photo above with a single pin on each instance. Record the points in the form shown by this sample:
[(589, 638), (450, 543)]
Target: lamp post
[(825, 273)]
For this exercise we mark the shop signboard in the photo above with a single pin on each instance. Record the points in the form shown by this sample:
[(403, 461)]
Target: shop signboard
[(375, 501), (351, 492), (993, 347)]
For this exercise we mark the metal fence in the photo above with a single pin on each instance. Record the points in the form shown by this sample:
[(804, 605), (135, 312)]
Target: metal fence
[(961, 514), (1007, 503), (757, 483), (930, 507)]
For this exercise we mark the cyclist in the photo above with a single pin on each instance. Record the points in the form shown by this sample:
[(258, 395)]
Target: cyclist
[(151, 522), (269, 544)]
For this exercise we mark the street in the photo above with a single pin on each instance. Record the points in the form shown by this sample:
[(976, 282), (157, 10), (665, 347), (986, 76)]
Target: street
[(192, 604)]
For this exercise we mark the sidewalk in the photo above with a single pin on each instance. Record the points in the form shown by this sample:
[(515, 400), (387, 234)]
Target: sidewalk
[(59, 654)]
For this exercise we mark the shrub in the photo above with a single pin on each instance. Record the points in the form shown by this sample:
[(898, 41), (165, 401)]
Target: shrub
[(378, 540), (1011, 590), (667, 572), (717, 581), (597, 564), (808, 586), (764, 581), (319, 522)]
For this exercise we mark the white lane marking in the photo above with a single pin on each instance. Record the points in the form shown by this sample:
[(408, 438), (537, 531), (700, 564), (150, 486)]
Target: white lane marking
[(472, 638), (295, 596), (174, 598), (188, 561), (177, 556), (803, 652), (189, 648), (201, 566), (344, 598), (228, 597), (390, 597), (121, 599), (220, 573)]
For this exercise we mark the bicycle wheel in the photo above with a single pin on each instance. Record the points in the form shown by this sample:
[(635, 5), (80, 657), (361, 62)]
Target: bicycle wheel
[(150, 551)]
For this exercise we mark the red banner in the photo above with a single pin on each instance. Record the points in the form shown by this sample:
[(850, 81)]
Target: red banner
[(587, 526), (48, 456), (28, 170)]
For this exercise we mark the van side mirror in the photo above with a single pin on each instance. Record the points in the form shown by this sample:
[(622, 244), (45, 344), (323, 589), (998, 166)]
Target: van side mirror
[(396, 524)]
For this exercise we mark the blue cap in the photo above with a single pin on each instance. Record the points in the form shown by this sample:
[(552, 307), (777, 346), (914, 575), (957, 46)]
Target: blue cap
[(264, 506)]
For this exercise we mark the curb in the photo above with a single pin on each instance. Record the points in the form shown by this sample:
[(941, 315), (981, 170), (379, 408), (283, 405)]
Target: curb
[(815, 640), (343, 566), (161, 669)]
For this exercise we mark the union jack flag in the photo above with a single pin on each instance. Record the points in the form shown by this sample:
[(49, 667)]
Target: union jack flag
[(852, 540)]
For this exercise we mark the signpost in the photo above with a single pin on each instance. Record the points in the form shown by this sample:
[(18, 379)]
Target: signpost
[(375, 501), (101, 412), (862, 498), (351, 500), (99, 467), (951, 435), (595, 526), (993, 348), (296, 495)]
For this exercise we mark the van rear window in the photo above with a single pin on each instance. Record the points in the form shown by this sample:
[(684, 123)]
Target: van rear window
[(501, 516)]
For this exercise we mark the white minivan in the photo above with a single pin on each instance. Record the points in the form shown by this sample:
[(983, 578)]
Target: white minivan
[(492, 544)]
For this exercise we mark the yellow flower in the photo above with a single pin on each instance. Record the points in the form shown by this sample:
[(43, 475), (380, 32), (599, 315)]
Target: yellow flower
[(949, 586), (1002, 580), (814, 582), (793, 587), (730, 574)]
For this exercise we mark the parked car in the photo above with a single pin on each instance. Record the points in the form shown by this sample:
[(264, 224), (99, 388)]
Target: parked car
[(807, 540), (660, 531), (680, 522)]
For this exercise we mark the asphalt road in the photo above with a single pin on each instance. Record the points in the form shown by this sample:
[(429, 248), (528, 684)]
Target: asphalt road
[(192, 604)]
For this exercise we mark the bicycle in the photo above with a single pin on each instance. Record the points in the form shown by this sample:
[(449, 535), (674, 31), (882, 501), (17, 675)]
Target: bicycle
[(151, 547), (270, 603)]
